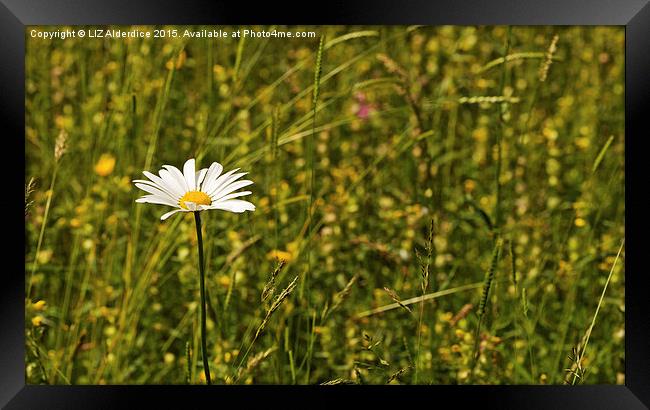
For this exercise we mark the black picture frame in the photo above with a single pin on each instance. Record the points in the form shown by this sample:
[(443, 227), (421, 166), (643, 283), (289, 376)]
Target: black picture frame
[(15, 15)]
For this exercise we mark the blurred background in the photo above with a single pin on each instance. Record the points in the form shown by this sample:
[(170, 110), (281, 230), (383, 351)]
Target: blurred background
[(421, 187)]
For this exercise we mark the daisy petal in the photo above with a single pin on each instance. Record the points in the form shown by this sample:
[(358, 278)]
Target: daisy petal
[(217, 183), (199, 178), (154, 190), (170, 213), (213, 173), (172, 182), (227, 189), (234, 205), (153, 199), (232, 196), (190, 174), (178, 177), (154, 185), (162, 183), (225, 182)]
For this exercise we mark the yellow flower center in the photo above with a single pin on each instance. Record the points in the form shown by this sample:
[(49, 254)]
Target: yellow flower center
[(197, 197)]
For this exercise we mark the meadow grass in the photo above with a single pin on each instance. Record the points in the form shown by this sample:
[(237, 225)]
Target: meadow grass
[(435, 205)]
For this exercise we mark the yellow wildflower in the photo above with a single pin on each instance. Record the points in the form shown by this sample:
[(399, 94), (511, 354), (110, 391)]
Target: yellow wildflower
[(105, 165), (40, 305), (279, 254)]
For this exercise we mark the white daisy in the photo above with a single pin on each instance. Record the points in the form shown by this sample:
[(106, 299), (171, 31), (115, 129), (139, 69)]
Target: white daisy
[(192, 191)]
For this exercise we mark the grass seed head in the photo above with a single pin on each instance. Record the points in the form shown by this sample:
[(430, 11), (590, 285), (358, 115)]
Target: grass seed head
[(397, 299), (489, 277), (340, 297), (276, 304), (546, 64), (61, 145), (29, 189), (269, 287)]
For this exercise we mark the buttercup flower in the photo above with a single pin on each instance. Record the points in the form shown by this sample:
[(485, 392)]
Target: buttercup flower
[(191, 191), (105, 165)]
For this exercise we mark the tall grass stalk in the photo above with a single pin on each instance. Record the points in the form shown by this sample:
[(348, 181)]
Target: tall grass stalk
[(580, 353), (310, 208), (513, 271), (424, 286), (188, 363), (418, 299), (275, 166), (502, 120), (529, 339), (485, 294), (548, 58), (59, 149)]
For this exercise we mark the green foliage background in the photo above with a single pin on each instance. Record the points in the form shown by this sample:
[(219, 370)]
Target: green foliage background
[(405, 132)]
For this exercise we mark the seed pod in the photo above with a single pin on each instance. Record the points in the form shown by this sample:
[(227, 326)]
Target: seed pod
[(489, 277)]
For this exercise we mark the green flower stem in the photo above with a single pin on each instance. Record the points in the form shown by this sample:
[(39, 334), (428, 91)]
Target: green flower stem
[(204, 354)]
